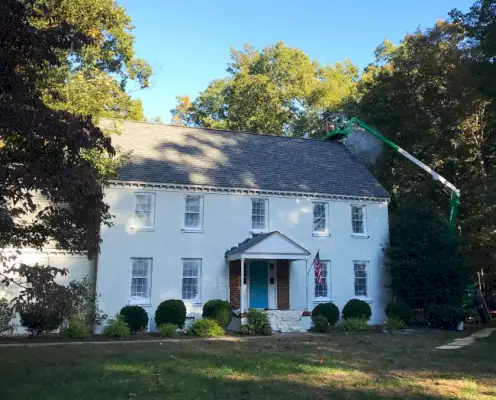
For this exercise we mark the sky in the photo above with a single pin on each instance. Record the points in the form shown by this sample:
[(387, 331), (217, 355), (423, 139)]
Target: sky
[(187, 42)]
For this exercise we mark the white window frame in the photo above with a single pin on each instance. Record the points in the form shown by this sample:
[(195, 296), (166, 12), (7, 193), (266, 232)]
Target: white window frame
[(142, 301), (137, 224), (367, 280), (363, 234), (328, 283), (326, 231), (199, 228), (266, 216), (197, 298)]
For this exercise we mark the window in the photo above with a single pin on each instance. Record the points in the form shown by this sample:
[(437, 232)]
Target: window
[(145, 210), (322, 290), (361, 278), (193, 218), (191, 279), (358, 220), (141, 281), (259, 211), (320, 219)]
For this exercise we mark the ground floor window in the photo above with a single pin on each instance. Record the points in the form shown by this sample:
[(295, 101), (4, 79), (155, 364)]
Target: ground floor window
[(361, 278), (141, 279), (323, 288), (191, 279)]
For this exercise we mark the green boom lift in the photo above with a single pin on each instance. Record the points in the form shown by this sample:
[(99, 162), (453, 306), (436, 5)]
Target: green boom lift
[(341, 131)]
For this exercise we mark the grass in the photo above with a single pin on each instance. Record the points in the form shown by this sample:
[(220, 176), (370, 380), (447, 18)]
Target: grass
[(354, 366)]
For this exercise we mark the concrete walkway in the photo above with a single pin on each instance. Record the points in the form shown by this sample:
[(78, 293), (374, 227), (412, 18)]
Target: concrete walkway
[(461, 342)]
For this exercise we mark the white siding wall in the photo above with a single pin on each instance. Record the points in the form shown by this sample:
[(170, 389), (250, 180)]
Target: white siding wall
[(227, 221)]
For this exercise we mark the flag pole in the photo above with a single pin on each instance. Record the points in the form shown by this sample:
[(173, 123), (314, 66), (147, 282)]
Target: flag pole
[(306, 283)]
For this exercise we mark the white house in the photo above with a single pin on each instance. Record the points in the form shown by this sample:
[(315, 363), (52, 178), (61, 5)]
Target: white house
[(195, 210), (204, 214)]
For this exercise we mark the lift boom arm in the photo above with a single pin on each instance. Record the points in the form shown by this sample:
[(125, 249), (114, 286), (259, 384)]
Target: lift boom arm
[(455, 192)]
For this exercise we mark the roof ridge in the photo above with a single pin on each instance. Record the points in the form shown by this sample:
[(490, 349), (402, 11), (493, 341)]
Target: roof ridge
[(227, 131)]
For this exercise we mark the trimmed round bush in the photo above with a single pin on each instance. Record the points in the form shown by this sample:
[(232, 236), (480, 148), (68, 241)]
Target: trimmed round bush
[(356, 308), (218, 310), (37, 320), (206, 328), (400, 310), (135, 317), (171, 312), (444, 316), (328, 310)]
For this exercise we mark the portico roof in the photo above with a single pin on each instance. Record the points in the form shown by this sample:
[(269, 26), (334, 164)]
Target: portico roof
[(268, 246)]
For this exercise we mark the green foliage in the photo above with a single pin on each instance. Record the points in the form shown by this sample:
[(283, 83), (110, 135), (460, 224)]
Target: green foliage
[(6, 315), (445, 316), (135, 317), (116, 328), (37, 319), (171, 311), (393, 323), (257, 324), (219, 310), (356, 308), (278, 90), (168, 330), (206, 328), (329, 310), (320, 323), (85, 303), (75, 328), (400, 310), (353, 324)]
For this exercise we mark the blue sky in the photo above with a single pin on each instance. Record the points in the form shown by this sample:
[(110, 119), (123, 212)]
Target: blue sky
[(187, 42)]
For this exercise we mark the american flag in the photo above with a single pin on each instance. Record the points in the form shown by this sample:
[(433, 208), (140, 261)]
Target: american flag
[(318, 268)]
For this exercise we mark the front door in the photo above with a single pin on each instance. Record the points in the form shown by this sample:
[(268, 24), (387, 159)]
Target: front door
[(258, 284)]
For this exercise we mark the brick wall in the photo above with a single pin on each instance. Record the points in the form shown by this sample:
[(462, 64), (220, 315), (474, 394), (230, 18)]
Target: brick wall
[(283, 285), (235, 283)]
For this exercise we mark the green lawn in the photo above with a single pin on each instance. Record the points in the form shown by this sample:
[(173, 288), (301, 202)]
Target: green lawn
[(354, 366)]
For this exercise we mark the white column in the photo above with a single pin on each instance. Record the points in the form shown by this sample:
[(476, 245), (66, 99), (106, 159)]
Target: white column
[(242, 293)]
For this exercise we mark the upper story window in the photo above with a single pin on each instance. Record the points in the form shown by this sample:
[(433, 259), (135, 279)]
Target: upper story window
[(358, 220), (141, 281), (259, 214), (320, 219), (193, 213), (361, 279), (323, 289), (191, 279), (144, 214)]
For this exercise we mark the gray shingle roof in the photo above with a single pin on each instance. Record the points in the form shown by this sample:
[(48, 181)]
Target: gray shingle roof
[(197, 156)]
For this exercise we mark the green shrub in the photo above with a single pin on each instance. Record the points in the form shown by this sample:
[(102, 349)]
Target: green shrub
[(116, 327), (320, 323), (444, 316), (353, 324), (206, 328), (400, 310), (356, 308), (85, 303), (257, 324), (219, 310), (393, 323), (168, 330), (135, 317), (328, 310), (75, 327), (6, 315), (171, 312), (37, 319)]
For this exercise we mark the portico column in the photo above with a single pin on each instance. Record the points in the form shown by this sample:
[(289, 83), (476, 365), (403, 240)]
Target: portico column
[(242, 293)]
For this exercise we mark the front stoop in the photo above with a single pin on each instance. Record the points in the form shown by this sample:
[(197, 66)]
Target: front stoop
[(286, 320)]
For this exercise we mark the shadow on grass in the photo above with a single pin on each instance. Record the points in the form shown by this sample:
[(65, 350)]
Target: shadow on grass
[(353, 368)]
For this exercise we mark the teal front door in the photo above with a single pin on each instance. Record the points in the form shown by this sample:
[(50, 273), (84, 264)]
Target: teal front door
[(258, 284)]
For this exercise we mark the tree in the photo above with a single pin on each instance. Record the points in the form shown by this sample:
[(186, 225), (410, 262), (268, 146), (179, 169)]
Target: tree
[(45, 151), (278, 90)]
